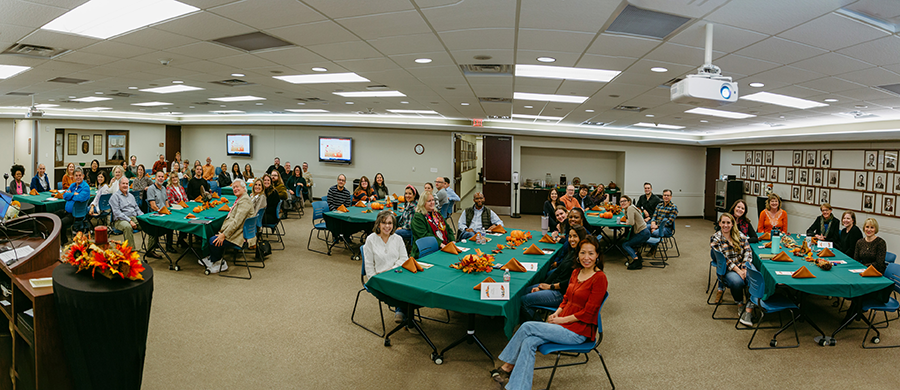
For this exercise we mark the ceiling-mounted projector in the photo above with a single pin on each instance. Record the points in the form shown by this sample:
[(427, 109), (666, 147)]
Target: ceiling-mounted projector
[(708, 87), (34, 113)]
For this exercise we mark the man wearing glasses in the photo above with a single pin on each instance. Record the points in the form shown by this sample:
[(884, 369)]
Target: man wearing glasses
[(663, 222), (339, 195)]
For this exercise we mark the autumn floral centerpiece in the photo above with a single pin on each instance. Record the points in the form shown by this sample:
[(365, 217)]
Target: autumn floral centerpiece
[(113, 260), (475, 263)]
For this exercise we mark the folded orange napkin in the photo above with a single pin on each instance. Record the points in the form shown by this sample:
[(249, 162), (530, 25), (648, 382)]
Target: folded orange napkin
[(190, 216), (214, 195), (412, 265), (224, 208), (514, 265), (342, 209), (59, 195), (451, 248), (164, 211), (595, 208), (359, 204), (871, 271), (534, 250), (498, 229), (768, 245), (593, 214), (547, 239), (182, 204), (782, 257), (767, 236), (394, 195), (52, 191), (826, 253), (802, 273), (199, 198), (486, 280), (33, 192)]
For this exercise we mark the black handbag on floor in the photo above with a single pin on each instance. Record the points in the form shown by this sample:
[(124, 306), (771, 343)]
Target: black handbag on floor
[(263, 249)]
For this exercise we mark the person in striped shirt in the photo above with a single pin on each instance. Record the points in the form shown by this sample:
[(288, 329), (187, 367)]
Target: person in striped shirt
[(339, 195)]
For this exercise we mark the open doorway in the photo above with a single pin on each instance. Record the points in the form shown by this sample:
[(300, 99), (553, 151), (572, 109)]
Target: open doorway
[(483, 163)]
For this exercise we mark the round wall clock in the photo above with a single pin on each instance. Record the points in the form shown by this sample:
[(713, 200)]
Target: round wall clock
[(420, 149)]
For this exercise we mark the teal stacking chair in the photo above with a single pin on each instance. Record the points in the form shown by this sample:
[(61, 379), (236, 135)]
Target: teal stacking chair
[(366, 289)]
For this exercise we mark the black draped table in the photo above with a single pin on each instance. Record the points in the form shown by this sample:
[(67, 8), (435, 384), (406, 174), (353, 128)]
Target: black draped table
[(103, 326)]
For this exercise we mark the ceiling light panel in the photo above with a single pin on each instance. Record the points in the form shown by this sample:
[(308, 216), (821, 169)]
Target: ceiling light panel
[(227, 112), (782, 100), (659, 126), (370, 94), (97, 109), (719, 113), (549, 97), (90, 99), (103, 19), (7, 71), (306, 110), (538, 117), (151, 104), (172, 89), (237, 98), (323, 78), (565, 73), (413, 111)]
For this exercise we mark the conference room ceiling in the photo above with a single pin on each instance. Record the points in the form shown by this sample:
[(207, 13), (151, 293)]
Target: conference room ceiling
[(811, 49)]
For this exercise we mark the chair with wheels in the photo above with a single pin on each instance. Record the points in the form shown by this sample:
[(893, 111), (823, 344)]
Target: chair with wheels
[(249, 232), (318, 220), (721, 270), (274, 230), (871, 306), (427, 246), (775, 304), (577, 349), (366, 289)]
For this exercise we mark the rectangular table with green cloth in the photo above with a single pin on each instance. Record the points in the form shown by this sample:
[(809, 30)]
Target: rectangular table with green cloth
[(448, 288), (838, 282), (43, 204), (177, 221)]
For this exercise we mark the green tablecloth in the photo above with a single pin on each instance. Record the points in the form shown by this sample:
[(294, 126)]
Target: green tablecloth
[(448, 288), (230, 191), (604, 222), (838, 282), (177, 221), (42, 202), (356, 215)]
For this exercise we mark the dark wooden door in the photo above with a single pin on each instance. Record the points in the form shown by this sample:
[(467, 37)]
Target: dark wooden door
[(457, 163), (173, 142), (498, 173), (709, 192)]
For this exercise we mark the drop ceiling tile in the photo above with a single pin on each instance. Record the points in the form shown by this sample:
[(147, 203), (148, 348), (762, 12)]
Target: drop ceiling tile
[(22, 61), (479, 38), (622, 91), (208, 67), (407, 44), (832, 64), (205, 50), (532, 85), (436, 71), (79, 57), (686, 8), (343, 8), (204, 26), (725, 38), (780, 50), (244, 61), (788, 75), (833, 32), (872, 77), (316, 33), (772, 16), (408, 61), (386, 24), (154, 39), (368, 65), (292, 56), (622, 46), (831, 84), (879, 52), (345, 51), (498, 56), (594, 61), (493, 90), (28, 14), (797, 91), (465, 15), (866, 94), (734, 63), (580, 88), (281, 13), (116, 49), (12, 33), (58, 40), (576, 15), (553, 40)]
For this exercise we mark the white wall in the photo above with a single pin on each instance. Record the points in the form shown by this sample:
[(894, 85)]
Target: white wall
[(591, 166), (680, 168), (23, 148), (7, 149), (846, 155), (390, 152)]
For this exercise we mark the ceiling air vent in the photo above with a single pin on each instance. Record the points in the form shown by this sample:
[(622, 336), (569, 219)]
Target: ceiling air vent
[(232, 83), (310, 100), (890, 88), (34, 51), (486, 69), (68, 80), (20, 93), (122, 94), (498, 116), (645, 23), (629, 108), (201, 103), (494, 100), (377, 88), (253, 42)]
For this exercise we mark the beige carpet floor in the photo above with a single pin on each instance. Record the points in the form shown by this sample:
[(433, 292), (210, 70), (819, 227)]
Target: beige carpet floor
[(289, 328)]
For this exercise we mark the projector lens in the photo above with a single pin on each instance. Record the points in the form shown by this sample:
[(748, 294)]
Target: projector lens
[(725, 91)]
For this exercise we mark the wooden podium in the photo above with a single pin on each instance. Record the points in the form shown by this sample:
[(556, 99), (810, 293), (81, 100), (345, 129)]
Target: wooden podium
[(31, 358)]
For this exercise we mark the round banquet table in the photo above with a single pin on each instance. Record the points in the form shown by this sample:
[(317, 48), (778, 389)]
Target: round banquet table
[(103, 326)]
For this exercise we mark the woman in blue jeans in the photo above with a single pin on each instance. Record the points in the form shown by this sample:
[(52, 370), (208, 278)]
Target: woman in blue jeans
[(549, 293), (639, 233), (735, 246)]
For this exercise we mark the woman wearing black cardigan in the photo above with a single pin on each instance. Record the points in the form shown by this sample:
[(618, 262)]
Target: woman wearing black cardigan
[(549, 293), (825, 227), (848, 235)]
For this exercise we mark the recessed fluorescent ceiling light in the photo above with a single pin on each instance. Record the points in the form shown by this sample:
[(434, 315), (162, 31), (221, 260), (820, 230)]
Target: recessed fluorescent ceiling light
[(463, 104), (371, 94), (659, 126), (757, 85), (721, 113), (659, 69), (102, 19), (151, 104), (319, 69), (562, 72), (831, 100), (305, 110), (549, 98), (7, 71), (423, 60), (172, 89), (227, 112), (46, 105), (546, 59), (782, 100), (237, 98), (323, 78), (237, 75), (413, 111), (97, 109), (549, 118), (91, 99)]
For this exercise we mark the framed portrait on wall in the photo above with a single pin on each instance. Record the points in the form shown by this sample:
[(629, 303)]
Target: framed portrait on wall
[(797, 161), (756, 188), (795, 193), (859, 181), (868, 202), (879, 182), (887, 204), (818, 178), (802, 176), (870, 161), (810, 196), (763, 173), (824, 195), (748, 157), (743, 172), (757, 157), (773, 174), (896, 183), (747, 187), (769, 157), (890, 160), (116, 146), (825, 159), (751, 172), (789, 175), (810, 161), (834, 178)]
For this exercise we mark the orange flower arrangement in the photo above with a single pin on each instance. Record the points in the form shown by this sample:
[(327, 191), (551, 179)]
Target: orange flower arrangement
[(118, 259), (474, 263)]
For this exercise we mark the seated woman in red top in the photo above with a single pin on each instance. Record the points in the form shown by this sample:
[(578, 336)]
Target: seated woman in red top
[(773, 216), (573, 323)]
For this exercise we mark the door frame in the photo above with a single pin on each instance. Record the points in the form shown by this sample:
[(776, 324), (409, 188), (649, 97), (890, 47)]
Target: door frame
[(513, 208)]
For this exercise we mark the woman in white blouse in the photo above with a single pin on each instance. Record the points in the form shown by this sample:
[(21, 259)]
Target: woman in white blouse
[(385, 251)]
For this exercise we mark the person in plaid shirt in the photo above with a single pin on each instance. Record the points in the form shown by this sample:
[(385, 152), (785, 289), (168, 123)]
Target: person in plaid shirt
[(735, 247), (663, 222)]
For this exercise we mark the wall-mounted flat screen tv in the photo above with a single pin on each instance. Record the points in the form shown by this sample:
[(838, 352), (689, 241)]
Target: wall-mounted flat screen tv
[(238, 145), (336, 150)]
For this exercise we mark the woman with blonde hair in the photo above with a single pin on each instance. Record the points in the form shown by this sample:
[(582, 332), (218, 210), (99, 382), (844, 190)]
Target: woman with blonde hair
[(773, 216), (427, 222), (69, 177), (736, 248)]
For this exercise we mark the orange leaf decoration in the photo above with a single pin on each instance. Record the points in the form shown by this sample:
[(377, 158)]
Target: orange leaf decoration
[(52, 191), (223, 200), (190, 216), (499, 246), (33, 192), (164, 211), (596, 208), (451, 248), (224, 208), (486, 280)]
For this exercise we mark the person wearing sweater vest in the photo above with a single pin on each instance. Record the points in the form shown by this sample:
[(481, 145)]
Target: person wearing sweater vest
[(477, 218)]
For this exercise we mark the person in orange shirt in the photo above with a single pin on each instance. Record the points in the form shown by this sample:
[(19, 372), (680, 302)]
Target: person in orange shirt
[(773, 216), (209, 171), (569, 199)]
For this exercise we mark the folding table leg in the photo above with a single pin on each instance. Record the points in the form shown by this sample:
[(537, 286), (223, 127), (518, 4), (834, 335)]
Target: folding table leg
[(410, 321), (470, 337)]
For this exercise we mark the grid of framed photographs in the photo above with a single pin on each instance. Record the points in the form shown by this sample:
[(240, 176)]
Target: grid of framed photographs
[(812, 175)]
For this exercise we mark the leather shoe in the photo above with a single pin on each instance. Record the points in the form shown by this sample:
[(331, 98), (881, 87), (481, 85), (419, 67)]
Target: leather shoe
[(153, 255)]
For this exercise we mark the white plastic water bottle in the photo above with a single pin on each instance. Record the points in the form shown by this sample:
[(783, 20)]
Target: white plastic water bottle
[(506, 276)]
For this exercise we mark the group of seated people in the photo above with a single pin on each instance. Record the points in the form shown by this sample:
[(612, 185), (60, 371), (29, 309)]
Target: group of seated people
[(735, 233)]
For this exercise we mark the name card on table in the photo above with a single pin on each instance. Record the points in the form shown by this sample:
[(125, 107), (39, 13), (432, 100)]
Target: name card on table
[(784, 273), (825, 244), (857, 271), (494, 291)]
